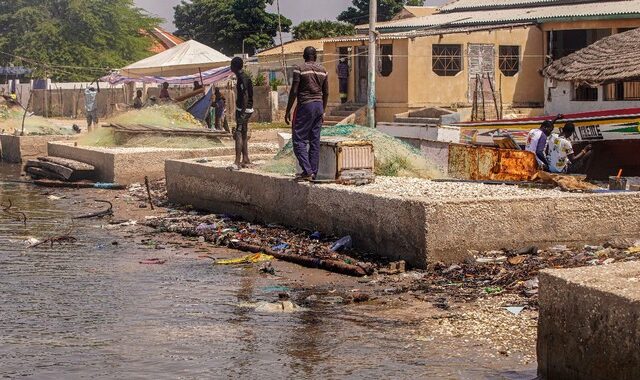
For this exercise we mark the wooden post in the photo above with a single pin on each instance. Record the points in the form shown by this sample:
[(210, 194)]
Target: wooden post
[(484, 111), (493, 94)]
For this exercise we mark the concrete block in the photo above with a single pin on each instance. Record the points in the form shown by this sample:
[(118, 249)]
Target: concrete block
[(283, 139), (129, 165), (589, 325), (417, 230), (17, 149)]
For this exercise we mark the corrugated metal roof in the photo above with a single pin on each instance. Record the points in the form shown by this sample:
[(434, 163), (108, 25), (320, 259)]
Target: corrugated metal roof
[(426, 32), (626, 8), (476, 4)]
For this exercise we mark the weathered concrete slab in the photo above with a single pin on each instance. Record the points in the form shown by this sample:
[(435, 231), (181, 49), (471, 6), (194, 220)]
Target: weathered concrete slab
[(17, 149), (589, 326), (129, 165), (416, 229)]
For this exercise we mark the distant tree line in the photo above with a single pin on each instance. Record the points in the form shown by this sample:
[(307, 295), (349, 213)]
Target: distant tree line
[(75, 39), (226, 24)]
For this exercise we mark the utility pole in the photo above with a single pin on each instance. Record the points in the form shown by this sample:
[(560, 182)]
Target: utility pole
[(371, 99), (283, 57)]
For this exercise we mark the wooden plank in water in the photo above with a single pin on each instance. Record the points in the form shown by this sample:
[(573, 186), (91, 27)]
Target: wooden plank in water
[(72, 164)]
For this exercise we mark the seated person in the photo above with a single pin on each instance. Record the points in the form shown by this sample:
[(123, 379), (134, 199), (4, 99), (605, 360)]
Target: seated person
[(137, 102), (164, 93)]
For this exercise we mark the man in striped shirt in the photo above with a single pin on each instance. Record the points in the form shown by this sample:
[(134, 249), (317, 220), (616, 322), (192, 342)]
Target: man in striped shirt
[(310, 88)]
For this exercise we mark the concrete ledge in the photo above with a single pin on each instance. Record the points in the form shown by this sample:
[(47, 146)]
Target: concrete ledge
[(589, 326), (17, 149), (129, 165), (417, 230)]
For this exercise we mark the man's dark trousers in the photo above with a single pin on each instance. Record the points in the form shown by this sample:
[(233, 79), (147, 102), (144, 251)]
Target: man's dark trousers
[(307, 125)]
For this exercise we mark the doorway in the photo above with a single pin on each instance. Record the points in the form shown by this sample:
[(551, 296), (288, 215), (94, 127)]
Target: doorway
[(362, 72)]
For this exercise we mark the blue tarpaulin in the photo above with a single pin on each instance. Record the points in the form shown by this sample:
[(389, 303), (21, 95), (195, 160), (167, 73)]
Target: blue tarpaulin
[(200, 109), (15, 71)]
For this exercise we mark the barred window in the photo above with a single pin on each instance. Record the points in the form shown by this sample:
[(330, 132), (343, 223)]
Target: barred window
[(509, 60), (622, 91), (447, 59), (386, 60), (584, 93)]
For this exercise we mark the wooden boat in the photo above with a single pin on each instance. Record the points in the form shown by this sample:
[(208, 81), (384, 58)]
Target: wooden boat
[(614, 135)]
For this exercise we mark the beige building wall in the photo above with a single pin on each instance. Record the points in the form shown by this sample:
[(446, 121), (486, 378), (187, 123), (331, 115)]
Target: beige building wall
[(392, 91), (413, 84), (429, 89)]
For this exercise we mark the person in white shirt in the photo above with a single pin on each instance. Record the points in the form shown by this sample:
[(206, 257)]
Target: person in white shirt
[(560, 154), (537, 141)]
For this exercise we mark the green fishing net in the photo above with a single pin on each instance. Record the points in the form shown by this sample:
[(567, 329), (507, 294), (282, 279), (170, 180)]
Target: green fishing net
[(393, 157)]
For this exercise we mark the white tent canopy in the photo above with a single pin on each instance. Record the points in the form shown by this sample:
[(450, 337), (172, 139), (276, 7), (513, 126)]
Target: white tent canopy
[(187, 58)]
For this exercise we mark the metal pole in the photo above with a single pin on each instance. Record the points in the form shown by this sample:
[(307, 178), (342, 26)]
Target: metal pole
[(371, 102)]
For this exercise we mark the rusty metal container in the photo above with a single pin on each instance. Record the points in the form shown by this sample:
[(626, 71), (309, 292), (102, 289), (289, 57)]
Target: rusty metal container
[(493, 164), (346, 161)]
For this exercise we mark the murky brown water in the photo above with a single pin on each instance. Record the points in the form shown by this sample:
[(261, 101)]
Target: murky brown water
[(90, 310)]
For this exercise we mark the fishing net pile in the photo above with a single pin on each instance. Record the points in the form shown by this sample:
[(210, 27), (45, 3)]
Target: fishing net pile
[(166, 116), (163, 116), (393, 157), (11, 123)]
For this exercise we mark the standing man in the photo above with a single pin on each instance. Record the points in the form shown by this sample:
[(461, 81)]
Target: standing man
[(343, 79), (91, 106), (537, 142), (244, 110), (561, 156), (310, 88)]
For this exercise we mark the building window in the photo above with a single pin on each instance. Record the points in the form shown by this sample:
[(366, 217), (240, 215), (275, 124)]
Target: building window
[(447, 59), (386, 60), (621, 91), (509, 60), (584, 93)]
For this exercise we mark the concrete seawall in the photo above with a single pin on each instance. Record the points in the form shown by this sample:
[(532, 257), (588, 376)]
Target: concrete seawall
[(17, 149), (589, 326), (129, 165), (417, 230)]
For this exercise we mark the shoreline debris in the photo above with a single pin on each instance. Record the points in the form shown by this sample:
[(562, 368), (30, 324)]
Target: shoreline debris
[(99, 214), (17, 215)]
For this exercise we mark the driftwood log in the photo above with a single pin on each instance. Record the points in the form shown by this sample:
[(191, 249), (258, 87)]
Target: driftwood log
[(305, 261)]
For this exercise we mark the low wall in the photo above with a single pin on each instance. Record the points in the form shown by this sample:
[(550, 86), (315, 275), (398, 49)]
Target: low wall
[(129, 165), (589, 325), (17, 149), (413, 229)]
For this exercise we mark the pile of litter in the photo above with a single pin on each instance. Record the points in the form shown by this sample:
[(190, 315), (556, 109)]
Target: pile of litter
[(516, 271), (299, 247), (393, 157), (11, 123)]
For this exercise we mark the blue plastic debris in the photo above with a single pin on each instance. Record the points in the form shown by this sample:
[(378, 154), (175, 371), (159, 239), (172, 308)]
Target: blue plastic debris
[(280, 247), (342, 244)]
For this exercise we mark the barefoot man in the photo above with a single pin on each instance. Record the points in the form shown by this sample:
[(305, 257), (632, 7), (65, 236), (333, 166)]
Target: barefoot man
[(244, 110)]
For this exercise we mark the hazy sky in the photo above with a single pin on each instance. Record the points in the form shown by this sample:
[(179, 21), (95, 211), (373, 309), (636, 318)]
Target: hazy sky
[(297, 10)]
